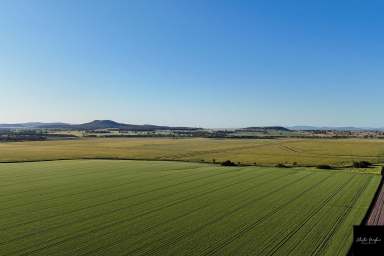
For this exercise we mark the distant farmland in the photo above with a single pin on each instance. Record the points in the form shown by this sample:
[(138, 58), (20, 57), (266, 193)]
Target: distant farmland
[(104, 207), (302, 152)]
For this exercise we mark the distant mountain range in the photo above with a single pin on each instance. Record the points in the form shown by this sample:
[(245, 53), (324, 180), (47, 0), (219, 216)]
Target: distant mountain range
[(30, 125), (109, 124), (267, 128), (96, 124), (333, 128)]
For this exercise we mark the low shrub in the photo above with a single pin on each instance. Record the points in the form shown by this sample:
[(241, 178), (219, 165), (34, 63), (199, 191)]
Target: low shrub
[(361, 164), (324, 167), (282, 166), (228, 163)]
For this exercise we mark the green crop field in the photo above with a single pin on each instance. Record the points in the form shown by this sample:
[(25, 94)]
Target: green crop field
[(116, 207), (303, 152)]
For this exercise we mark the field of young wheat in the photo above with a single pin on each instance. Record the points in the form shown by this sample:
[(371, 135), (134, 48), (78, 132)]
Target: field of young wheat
[(113, 207)]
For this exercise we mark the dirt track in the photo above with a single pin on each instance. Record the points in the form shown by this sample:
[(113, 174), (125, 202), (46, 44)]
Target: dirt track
[(376, 216)]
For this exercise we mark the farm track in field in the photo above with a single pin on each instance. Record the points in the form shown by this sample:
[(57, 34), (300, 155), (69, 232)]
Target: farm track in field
[(309, 154), (339, 221), (323, 218), (101, 207), (312, 213), (337, 192), (258, 221), (289, 149)]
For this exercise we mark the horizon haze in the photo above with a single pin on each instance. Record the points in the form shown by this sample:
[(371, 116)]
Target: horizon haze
[(112, 124)]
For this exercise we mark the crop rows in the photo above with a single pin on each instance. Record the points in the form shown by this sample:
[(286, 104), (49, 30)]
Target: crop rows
[(101, 207)]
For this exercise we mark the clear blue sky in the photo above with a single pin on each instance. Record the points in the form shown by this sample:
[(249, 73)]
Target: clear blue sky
[(210, 63)]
